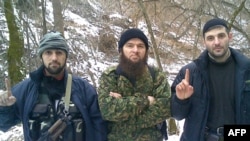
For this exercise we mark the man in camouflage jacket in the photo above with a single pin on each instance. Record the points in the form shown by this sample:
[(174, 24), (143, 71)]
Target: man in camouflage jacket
[(131, 98)]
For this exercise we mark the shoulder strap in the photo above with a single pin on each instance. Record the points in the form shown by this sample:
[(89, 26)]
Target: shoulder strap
[(152, 72), (68, 92)]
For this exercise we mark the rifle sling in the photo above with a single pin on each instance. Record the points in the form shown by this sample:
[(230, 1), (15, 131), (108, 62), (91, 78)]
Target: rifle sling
[(68, 93)]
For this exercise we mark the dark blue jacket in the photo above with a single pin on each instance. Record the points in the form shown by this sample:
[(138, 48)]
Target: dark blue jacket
[(83, 95), (195, 109)]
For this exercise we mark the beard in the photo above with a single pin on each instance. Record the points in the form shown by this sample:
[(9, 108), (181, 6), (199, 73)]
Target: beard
[(54, 71), (133, 69)]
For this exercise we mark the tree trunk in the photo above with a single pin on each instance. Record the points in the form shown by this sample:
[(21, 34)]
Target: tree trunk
[(44, 17), (58, 18), (16, 46), (154, 47)]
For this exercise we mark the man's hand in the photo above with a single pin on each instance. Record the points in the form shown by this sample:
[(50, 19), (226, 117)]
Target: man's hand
[(6, 97), (151, 100), (115, 95), (183, 89)]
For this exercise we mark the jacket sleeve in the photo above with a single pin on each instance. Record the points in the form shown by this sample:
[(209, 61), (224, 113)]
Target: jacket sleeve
[(160, 110), (13, 115), (7, 117), (179, 108), (9, 114), (90, 104)]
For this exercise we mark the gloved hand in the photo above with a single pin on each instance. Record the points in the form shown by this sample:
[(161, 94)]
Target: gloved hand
[(6, 98)]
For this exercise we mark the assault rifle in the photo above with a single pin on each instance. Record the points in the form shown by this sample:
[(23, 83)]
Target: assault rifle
[(58, 127), (55, 130)]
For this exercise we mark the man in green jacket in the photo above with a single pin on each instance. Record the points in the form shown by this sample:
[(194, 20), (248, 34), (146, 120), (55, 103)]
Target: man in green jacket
[(133, 96)]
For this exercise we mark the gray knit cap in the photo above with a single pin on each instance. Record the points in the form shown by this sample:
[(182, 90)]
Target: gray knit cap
[(53, 40)]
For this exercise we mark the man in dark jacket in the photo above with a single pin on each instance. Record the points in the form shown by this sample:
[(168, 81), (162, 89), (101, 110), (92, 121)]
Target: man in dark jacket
[(46, 86), (212, 90)]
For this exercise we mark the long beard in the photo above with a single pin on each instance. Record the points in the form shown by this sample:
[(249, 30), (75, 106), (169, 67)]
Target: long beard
[(132, 69)]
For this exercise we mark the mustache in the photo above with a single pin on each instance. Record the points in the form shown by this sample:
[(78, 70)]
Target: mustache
[(54, 62)]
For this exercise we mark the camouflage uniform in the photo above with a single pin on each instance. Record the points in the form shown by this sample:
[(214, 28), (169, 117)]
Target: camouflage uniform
[(130, 117)]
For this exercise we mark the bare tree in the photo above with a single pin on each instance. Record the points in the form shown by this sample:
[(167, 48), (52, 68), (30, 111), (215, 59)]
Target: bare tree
[(151, 33), (44, 17), (16, 45), (58, 18)]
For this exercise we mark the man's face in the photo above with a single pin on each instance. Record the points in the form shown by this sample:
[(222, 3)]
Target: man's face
[(134, 49), (217, 42), (134, 57), (54, 61)]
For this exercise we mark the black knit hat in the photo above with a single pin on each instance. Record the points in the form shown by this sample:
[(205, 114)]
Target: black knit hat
[(214, 22), (53, 40), (132, 33)]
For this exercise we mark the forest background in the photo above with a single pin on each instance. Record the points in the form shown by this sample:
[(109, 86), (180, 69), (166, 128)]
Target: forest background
[(173, 27)]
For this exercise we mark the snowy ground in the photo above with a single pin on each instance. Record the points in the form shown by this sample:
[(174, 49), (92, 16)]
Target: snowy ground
[(14, 134)]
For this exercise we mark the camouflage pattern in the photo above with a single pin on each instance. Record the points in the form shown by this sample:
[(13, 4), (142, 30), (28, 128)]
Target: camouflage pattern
[(130, 117)]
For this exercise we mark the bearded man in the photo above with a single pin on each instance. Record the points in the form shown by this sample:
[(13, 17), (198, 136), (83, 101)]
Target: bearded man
[(133, 96), (38, 102)]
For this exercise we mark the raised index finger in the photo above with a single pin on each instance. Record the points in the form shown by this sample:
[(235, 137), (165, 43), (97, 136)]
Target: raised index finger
[(8, 87), (187, 75)]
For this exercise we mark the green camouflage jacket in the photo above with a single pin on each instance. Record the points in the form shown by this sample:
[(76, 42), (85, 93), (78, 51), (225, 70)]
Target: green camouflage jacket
[(130, 117)]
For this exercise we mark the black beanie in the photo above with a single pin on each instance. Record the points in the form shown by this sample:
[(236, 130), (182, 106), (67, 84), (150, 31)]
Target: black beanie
[(53, 40), (214, 22), (132, 33)]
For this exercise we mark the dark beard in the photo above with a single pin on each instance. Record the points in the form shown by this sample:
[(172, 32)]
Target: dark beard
[(55, 72), (132, 69)]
